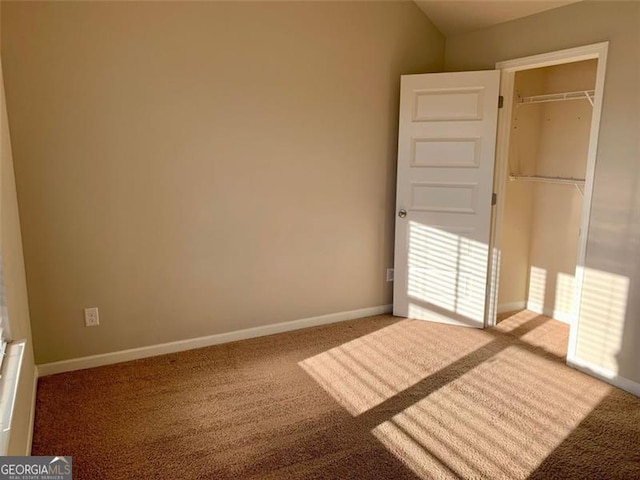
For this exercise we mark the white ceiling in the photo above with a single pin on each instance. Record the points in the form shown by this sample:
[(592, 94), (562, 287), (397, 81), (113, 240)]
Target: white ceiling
[(457, 16)]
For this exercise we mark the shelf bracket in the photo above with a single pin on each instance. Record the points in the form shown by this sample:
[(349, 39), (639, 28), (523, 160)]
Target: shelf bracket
[(589, 97)]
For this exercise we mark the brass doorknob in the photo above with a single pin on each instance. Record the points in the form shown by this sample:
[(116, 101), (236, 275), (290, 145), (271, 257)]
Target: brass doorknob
[(402, 213)]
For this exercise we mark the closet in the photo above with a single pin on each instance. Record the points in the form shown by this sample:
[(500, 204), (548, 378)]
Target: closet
[(549, 140)]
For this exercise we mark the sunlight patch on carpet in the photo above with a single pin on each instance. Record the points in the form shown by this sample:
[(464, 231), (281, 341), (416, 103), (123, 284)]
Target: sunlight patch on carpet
[(365, 372), (501, 419)]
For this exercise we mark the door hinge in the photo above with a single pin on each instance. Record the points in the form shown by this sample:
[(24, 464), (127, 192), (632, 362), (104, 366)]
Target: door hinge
[(500, 101), (494, 198)]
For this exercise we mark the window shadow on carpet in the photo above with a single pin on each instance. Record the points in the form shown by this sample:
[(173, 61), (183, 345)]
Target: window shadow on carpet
[(459, 403)]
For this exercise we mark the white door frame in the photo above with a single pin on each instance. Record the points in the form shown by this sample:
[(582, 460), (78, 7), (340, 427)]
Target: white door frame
[(508, 70)]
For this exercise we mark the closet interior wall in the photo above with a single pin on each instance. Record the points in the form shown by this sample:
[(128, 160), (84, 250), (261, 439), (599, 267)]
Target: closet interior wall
[(541, 222)]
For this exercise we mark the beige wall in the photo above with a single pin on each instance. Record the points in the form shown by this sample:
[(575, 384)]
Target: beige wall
[(515, 243), (608, 334), (563, 149), (15, 289), (199, 168)]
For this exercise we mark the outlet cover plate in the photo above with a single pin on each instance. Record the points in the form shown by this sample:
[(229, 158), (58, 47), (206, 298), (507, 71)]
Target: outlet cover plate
[(91, 317), (389, 274)]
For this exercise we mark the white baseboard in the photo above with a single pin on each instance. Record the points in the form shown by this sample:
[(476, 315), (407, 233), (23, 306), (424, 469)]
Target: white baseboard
[(511, 307), (32, 413), (189, 344), (605, 375)]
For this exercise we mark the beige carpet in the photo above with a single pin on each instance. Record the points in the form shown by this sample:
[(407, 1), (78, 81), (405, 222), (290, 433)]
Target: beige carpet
[(375, 398)]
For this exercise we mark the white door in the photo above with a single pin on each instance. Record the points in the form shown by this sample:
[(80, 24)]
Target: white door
[(446, 149)]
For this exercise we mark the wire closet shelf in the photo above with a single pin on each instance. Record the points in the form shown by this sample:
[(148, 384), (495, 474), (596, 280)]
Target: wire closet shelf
[(558, 97), (576, 182)]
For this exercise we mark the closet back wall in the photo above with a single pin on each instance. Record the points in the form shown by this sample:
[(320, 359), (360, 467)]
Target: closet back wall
[(542, 220), (557, 209), (193, 168)]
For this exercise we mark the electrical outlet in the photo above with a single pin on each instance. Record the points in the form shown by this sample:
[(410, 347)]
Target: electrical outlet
[(91, 318), (389, 274)]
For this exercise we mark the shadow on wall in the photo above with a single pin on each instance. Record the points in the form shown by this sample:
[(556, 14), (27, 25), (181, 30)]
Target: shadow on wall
[(604, 301), (551, 295), (627, 356), (446, 277), (609, 331), (605, 326)]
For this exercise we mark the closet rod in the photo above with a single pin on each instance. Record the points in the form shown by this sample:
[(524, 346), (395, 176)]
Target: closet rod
[(546, 179), (558, 97), (577, 182)]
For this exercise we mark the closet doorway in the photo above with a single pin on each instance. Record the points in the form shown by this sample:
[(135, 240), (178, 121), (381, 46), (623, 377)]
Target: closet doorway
[(547, 141)]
